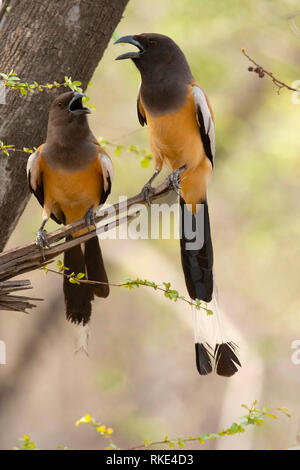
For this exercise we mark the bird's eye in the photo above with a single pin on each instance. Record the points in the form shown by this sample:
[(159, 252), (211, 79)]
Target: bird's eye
[(152, 43), (59, 104)]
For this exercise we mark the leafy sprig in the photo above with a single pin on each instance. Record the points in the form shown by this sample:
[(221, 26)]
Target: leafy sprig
[(6, 149), (11, 80), (165, 287), (27, 444), (101, 428), (254, 417), (146, 155)]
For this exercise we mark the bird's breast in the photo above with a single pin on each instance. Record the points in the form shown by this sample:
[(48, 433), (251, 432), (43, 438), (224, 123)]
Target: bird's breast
[(175, 137), (74, 192)]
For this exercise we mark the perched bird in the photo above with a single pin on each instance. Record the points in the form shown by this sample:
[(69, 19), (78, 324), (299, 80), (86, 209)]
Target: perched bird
[(71, 175), (181, 132)]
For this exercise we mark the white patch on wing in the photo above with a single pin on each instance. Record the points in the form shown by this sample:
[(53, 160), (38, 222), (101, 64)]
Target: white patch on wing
[(33, 169), (200, 100), (108, 171)]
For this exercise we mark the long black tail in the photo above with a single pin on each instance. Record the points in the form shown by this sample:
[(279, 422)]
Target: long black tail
[(197, 263), (78, 297)]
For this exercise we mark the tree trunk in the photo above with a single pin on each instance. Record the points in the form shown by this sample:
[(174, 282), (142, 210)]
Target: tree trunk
[(44, 41)]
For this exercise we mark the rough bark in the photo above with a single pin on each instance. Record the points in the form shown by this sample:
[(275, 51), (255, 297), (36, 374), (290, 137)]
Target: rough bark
[(44, 40)]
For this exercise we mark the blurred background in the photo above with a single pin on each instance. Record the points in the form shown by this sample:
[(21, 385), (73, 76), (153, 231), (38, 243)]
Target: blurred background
[(140, 377)]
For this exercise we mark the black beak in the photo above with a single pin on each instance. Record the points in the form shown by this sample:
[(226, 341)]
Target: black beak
[(134, 42), (75, 105)]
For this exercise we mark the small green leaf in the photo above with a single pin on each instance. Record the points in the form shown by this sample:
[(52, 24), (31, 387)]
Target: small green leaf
[(80, 276)]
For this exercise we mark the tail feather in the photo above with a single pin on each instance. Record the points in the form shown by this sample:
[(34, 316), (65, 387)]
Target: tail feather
[(95, 267), (226, 359), (203, 358), (197, 264), (78, 297)]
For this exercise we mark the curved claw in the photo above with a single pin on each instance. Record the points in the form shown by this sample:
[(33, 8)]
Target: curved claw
[(146, 192), (173, 180), (90, 218), (42, 240)]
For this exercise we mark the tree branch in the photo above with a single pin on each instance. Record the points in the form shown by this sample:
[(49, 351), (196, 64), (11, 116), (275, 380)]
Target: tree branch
[(261, 71), (29, 257), (15, 303)]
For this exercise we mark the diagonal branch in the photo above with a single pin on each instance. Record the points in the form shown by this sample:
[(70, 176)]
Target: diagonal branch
[(29, 257), (261, 71)]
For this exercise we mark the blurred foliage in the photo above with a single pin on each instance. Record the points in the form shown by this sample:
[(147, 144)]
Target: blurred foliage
[(254, 416)]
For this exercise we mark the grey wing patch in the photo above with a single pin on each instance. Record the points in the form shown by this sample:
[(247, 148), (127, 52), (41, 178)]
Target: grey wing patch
[(34, 177), (108, 175), (205, 122), (142, 118)]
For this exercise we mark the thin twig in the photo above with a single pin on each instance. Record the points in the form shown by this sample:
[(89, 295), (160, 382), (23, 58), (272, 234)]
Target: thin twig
[(170, 293), (3, 9), (261, 71), (254, 417)]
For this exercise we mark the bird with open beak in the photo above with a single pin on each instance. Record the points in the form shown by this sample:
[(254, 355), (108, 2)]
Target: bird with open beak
[(71, 175), (181, 132)]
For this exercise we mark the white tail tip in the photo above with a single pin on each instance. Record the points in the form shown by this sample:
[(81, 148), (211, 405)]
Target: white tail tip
[(83, 333)]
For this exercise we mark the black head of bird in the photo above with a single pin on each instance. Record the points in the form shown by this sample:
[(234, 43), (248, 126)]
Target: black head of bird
[(157, 55)]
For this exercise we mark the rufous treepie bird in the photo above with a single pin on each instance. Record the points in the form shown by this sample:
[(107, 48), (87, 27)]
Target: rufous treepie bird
[(181, 132), (71, 175)]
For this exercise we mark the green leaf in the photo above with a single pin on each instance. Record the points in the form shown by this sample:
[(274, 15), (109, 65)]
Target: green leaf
[(285, 411), (80, 276), (145, 162), (118, 150)]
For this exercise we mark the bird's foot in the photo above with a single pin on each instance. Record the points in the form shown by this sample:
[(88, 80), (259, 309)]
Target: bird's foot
[(42, 241), (90, 218), (173, 180), (147, 191)]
